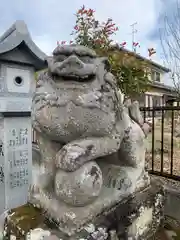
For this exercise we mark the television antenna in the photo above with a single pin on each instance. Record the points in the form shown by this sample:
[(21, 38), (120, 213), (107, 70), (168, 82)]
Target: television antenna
[(134, 31)]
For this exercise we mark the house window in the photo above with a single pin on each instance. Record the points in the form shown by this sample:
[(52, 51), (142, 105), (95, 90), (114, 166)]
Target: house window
[(155, 76)]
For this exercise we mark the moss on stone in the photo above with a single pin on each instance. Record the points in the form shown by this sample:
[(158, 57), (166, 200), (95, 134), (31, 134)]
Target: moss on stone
[(21, 220)]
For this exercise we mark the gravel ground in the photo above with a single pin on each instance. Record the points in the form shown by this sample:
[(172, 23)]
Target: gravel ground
[(167, 182)]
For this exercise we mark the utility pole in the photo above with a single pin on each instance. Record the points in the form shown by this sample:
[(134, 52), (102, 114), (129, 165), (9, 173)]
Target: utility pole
[(134, 31)]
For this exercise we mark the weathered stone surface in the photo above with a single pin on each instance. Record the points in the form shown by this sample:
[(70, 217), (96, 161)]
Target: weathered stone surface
[(92, 146), (135, 217), (172, 202), (79, 187)]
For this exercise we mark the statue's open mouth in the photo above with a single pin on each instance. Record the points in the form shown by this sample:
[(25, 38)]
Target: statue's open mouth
[(76, 78)]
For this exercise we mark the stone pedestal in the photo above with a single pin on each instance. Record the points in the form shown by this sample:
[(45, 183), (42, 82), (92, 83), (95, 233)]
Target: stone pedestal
[(136, 217)]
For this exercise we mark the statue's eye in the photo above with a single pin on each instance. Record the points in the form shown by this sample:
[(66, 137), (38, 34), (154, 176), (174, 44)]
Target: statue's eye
[(60, 58), (86, 59)]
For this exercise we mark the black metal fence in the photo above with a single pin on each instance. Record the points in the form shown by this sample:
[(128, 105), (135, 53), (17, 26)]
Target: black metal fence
[(163, 145)]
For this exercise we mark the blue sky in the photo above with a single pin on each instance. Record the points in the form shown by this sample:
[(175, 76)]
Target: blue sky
[(52, 20), (169, 9)]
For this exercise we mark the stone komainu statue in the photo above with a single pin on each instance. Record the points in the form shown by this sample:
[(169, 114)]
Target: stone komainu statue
[(89, 140)]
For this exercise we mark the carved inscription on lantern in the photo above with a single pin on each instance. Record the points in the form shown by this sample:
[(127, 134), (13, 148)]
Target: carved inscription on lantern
[(18, 161), (18, 157)]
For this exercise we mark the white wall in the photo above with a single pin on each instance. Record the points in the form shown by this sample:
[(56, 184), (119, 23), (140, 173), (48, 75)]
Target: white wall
[(166, 79), (24, 74), (164, 76)]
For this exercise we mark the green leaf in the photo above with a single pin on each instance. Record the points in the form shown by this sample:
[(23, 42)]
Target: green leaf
[(130, 72)]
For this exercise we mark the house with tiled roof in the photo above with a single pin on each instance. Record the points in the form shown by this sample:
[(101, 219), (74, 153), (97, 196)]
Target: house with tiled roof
[(159, 94)]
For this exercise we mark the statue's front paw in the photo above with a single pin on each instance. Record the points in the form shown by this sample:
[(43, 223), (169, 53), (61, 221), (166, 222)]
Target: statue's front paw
[(80, 187), (72, 156)]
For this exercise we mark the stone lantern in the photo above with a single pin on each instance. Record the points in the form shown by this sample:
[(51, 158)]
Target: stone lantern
[(19, 59)]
